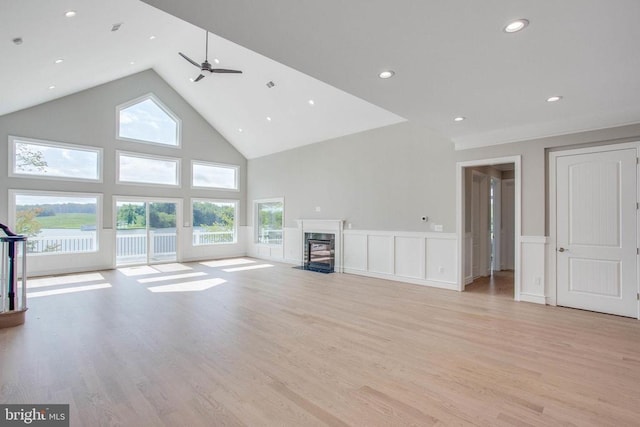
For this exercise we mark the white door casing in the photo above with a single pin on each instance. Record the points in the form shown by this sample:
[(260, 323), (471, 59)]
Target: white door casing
[(596, 231)]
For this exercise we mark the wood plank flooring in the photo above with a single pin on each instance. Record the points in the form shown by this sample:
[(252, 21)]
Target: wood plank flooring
[(277, 346)]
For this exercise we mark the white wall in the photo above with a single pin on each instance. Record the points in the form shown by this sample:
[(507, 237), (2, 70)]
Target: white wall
[(383, 180), (89, 118)]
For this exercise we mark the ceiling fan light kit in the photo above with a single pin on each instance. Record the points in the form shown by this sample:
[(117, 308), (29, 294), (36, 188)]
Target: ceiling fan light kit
[(206, 66)]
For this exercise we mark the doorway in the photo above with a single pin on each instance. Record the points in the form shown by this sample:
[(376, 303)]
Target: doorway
[(146, 231), (489, 215)]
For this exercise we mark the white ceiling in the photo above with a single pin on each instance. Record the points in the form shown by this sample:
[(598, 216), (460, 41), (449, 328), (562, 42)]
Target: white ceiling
[(451, 59), (93, 55)]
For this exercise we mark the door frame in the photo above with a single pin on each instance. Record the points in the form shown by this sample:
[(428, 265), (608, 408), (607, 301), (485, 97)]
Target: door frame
[(552, 289), (461, 208), (146, 199)]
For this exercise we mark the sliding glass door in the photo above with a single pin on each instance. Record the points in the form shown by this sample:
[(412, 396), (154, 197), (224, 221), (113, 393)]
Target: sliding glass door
[(146, 231)]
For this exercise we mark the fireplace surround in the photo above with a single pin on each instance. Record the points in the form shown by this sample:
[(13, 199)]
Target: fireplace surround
[(321, 244)]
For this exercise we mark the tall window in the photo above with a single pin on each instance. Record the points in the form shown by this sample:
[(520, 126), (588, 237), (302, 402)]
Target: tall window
[(268, 221), (146, 119), (57, 223), (55, 160), (214, 175), (138, 168), (214, 221)]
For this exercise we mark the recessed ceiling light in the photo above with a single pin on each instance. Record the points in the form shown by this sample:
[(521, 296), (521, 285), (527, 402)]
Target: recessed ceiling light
[(132, 62), (459, 119), (240, 130), (554, 98), (517, 25), (312, 102), (268, 118), (59, 61), (191, 79), (52, 87), (152, 37), (70, 13), (386, 74), (216, 60)]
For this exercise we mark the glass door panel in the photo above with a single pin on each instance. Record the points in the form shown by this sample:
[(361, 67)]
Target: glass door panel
[(162, 232), (131, 232)]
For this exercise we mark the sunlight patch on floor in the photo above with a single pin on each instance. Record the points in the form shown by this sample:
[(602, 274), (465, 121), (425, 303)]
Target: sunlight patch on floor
[(227, 262), (139, 270), (68, 290), (172, 277), (198, 285), (249, 267), (169, 268), (63, 280)]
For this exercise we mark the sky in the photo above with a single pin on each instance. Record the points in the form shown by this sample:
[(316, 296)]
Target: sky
[(146, 121)]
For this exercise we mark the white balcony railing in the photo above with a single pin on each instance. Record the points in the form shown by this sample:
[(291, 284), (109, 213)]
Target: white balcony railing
[(127, 245)]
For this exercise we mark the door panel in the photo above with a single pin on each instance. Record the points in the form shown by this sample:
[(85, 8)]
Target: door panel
[(596, 231)]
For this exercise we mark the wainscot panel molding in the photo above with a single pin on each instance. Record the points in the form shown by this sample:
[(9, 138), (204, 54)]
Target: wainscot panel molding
[(271, 252), (420, 258), (533, 255)]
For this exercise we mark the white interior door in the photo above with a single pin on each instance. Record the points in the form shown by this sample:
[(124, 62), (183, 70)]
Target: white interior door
[(596, 231), (507, 239)]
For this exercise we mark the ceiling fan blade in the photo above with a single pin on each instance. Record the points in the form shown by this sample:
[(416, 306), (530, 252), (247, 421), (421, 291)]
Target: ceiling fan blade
[(200, 77), (223, 70), (189, 59)]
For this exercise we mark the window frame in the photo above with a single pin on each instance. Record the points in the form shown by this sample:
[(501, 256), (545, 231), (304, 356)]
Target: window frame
[(236, 204), (177, 160), (256, 216), (163, 107), (236, 169), (55, 144), (99, 212)]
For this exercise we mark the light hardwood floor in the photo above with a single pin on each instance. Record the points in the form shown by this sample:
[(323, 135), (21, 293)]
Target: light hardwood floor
[(278, 346)]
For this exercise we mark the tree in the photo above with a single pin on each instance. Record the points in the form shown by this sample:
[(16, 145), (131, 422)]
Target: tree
[(29, 160), (27, 225)]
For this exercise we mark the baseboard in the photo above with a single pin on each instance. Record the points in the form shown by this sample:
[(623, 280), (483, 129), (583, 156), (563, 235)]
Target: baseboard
[(430, 283), (536, 299)]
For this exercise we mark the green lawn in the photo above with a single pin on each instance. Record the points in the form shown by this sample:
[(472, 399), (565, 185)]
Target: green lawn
[(70, 220)]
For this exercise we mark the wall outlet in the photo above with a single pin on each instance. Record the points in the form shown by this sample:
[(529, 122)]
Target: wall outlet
[(318, 209), (441, 269), (437, 227)]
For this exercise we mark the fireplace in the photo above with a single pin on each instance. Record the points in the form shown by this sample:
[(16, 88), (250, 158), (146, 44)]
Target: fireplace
[(324, 255), (319, 252)]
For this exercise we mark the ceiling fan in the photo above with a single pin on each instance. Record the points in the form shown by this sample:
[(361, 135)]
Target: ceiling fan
[(206, 66)]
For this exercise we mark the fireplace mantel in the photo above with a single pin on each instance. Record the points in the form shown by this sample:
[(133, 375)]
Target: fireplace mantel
[(334, 226)]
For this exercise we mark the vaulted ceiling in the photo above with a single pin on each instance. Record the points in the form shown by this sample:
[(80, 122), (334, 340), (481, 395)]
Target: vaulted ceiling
[(451, 59)]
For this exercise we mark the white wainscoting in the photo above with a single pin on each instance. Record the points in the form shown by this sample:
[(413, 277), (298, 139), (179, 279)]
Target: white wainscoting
[(533, 255), (275, 252), (419, 258)]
